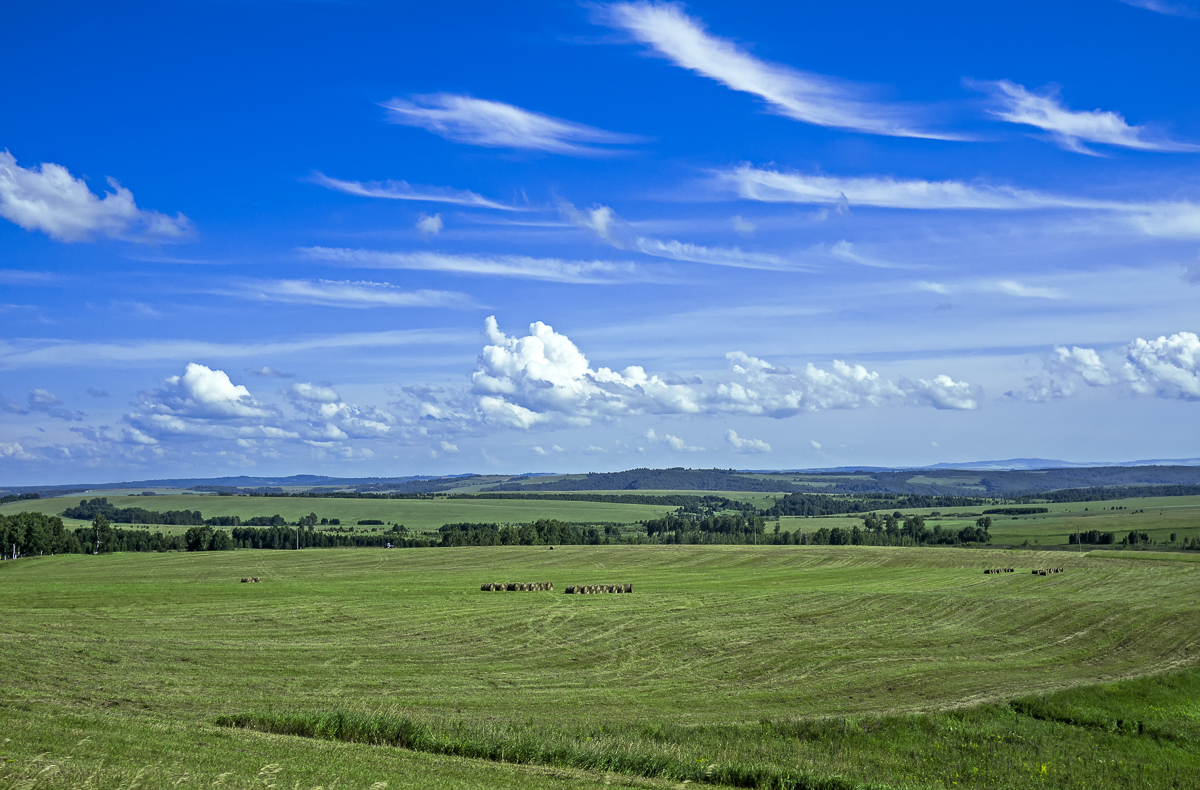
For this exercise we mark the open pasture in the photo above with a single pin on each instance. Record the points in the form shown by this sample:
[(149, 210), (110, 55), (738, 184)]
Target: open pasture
[(418, 515), (143, 653)]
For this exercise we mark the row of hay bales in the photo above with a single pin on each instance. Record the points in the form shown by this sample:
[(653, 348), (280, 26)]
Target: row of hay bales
[(1047, 571), (517, 587), (1000, 570), (248, 579), (587, 589)]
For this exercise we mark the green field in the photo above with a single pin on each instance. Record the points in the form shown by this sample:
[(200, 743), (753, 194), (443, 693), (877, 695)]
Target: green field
[(418, 515), (884, 666), (1160, 517)]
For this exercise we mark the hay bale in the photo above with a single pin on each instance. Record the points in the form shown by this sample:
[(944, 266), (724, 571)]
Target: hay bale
[(511, 587), (245, 579), (569, 589), (550, 585), (485, 587)]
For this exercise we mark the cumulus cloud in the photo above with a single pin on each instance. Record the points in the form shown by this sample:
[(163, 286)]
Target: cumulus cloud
[(429, 226), (347, 293), (48, 198), (493, 124), (15, 451), (330, 418), (674, 442), (47, 402), (516, 266), (1168, 367), (1072, 128), (815, 444), (741, 445), (1061, 372), (943, 392), (799, 95), (402, 190), (616, 232), (202, 392), (543, 379)]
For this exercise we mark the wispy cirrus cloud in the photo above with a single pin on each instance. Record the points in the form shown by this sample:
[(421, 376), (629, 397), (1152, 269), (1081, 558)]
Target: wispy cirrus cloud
[(1007, 287), (347, 293), (1160, 7), (1177, 219), (799, 95), (493, 124), (39, 353), (516, 266), (402, 190), (1072, 128), (48, 198)]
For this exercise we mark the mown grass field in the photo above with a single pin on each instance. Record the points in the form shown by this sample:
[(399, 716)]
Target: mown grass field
[(1159, 517), (886, 667), (418, 515)]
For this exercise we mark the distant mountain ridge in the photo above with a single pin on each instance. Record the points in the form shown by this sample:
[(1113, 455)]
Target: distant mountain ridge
[(1012, 477)]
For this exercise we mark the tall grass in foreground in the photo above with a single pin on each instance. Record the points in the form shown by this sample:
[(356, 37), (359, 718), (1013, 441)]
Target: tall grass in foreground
[(609, 749), (1136, 734)]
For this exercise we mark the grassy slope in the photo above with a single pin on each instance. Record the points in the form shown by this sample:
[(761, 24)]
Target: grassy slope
[(416, 514), (143, 652)]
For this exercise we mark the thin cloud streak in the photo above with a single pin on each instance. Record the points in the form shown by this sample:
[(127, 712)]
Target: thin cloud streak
[(493, 124), (1072, 128), (1175, 220), (402, 190), (799, 95), (517, 266), (1159, 7), (16, 354), (347, 293)]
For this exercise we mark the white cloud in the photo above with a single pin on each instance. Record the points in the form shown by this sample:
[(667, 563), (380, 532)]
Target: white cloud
[(329, 418), (741, 445), (48, 198), (517, 266), (347, 293), (943, 392), (47, 402), (314, 393), (616, 232), (544, 379), (1160, 7), (268, 373), (674, 442), (15, 451), (742, 225), (447, 447), (206, 393), (1007, 287), (772, 186), (1177, 220), (464, 119), (402, 190), (815, 444), (1071, 128), (1168, 367), (799, 95), (429, 226)]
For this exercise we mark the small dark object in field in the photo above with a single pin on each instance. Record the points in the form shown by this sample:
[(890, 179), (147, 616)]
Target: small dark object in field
[(246, 579)]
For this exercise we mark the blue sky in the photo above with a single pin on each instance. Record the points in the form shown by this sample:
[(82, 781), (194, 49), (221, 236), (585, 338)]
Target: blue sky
[(390, 238)]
